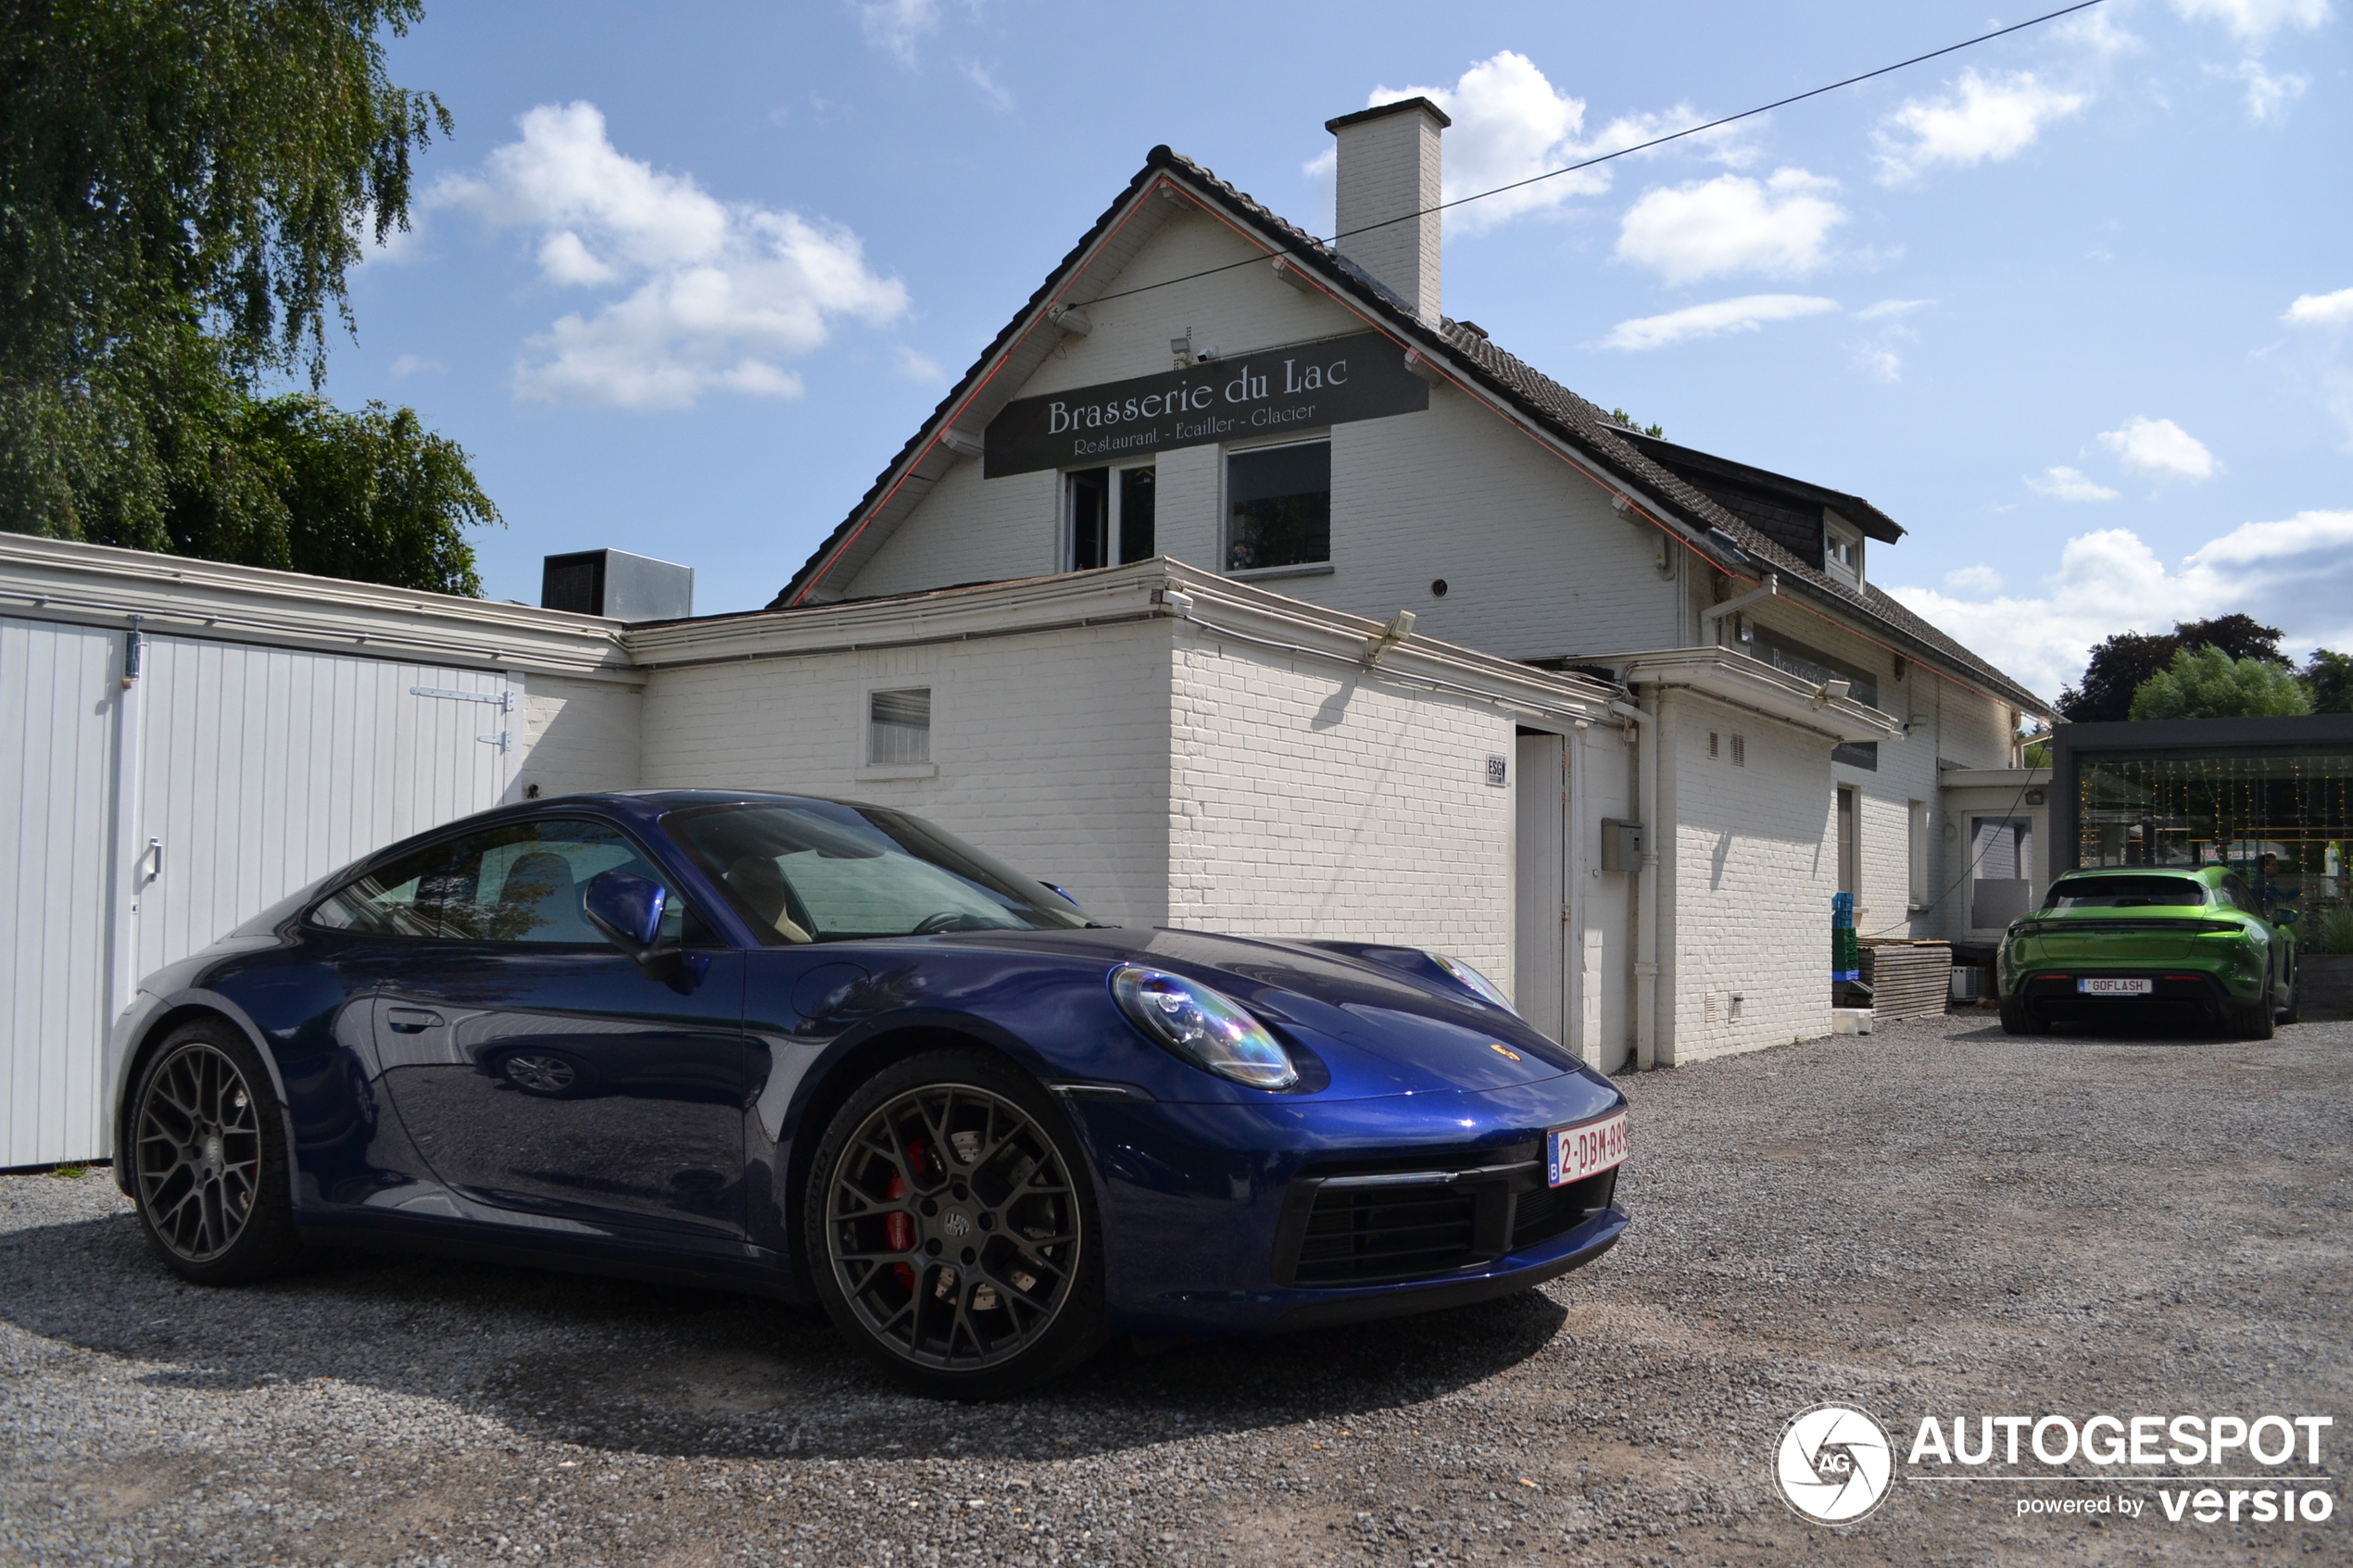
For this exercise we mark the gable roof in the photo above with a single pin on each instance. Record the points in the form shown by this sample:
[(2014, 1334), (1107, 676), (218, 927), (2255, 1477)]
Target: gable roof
[(1701, 524)]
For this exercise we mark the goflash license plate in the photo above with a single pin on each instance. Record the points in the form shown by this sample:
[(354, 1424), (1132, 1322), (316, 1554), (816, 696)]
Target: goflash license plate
[(2115, 987)]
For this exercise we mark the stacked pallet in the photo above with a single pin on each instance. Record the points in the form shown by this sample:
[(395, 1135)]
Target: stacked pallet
[(1908, 979)]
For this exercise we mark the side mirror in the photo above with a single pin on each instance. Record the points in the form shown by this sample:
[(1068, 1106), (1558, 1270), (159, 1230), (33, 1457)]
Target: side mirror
[(628, 910)]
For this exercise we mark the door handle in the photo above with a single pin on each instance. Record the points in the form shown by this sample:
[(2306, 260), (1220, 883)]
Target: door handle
[(411, 1020)]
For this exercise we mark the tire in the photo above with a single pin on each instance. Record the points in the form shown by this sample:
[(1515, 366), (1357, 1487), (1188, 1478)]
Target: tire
[(2019, 1018), (2291, 1010), (208, 1158), (924, 1218), (2255, 1018)]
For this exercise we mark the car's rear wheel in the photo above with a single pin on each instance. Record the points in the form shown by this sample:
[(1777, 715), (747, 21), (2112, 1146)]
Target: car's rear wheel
[(2254, 1019), (2019, 1018), (209, 1159), (952, 1233), (2289, 1011)]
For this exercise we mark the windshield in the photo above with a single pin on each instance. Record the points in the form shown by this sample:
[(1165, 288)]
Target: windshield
[(816, 871), (2127, 893)]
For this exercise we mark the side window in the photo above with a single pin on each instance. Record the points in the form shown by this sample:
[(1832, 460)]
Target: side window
[(520, 882), (1279, 505), (2237, 894), (400, 899)]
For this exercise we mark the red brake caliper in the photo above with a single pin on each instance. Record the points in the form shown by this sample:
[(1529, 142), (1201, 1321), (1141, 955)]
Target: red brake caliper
[(898, 1229)]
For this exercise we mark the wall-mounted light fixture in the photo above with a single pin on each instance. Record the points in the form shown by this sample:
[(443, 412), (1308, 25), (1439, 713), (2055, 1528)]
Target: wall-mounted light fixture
[(1400, 627)]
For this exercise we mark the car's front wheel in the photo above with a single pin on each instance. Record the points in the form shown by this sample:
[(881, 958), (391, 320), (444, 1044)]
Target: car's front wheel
[(952, 1231), (208, 1159)]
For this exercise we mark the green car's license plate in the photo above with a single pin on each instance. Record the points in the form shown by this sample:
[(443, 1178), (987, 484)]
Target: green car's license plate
[(2116, 988)]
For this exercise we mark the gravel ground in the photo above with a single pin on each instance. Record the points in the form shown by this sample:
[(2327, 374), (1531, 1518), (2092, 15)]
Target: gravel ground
[(1933, 1217)]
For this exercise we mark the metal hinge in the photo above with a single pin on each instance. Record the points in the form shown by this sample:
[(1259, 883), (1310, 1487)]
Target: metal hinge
[(502, 740), (505, 700)]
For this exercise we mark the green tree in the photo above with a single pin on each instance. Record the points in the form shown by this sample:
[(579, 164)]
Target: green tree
[(302, 486), (2209, 683), (2120, 666), (2329, 677), (184, 185)]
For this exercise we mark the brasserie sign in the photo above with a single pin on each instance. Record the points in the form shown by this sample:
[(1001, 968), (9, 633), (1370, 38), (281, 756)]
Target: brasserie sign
[(1305, 386)]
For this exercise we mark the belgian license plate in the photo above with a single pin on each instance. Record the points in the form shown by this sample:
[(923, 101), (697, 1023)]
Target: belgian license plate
[(2115, 987), (1571, 1154)]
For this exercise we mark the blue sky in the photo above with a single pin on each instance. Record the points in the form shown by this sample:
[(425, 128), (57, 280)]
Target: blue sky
[(2076, 306)]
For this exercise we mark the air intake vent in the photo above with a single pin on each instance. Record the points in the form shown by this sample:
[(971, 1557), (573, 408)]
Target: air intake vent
[(1378, 1235)]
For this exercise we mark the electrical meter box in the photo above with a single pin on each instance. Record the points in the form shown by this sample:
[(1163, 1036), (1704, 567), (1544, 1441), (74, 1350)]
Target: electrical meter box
[(1621, 845)]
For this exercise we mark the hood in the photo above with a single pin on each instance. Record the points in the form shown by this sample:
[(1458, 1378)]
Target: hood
[(1380, 1026)]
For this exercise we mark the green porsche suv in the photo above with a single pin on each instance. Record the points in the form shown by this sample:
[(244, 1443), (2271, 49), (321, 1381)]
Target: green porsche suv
[(2153, 941)]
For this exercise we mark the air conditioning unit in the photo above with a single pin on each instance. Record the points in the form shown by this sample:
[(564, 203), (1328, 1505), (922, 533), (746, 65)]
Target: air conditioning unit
[(1968, 982)]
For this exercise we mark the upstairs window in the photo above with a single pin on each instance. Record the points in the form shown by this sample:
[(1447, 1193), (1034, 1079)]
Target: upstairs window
[(1110, 516), (1843, 547), (899, 726), (1278, 507)]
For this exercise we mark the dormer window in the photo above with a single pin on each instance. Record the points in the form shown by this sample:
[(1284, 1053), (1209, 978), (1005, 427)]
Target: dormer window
[(1841, 548)]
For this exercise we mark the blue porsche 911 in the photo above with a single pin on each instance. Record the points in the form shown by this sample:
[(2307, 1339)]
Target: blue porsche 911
[(825, 1049)]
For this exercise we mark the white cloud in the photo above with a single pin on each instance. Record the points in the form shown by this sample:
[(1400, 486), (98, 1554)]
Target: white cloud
[(1511, 124), (1974, 580), (2256, 19), (918, 367), (2268, 96), (894, 26), (2068, 484), (2297, 575), (1987, 119), (1732, 223), (402, 243), (2321, 310), (997, 96), (1888, 309), (720, 291), (412, 365), (2161, 447), (1880, 363), (1743, 315)]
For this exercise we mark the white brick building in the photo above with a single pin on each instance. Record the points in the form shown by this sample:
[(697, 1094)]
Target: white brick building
[(1120, 611)]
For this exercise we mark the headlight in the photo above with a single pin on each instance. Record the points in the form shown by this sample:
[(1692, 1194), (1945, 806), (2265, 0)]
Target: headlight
[(1205, 1028), (1474, 982)]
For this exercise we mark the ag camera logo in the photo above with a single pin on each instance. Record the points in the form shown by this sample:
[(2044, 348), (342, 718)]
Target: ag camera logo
[(1834, 1464)]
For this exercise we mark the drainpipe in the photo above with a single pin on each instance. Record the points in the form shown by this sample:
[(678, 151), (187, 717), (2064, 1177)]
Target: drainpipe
[(1646, 925), (127, 862)]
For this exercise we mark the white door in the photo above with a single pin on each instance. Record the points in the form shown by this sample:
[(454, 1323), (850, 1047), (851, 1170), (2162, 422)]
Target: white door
[(1538, 983), (57, 689), (261, 770)]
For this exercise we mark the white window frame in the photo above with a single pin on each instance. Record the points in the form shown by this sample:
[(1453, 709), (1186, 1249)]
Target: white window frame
[(1112, 506), (1837, 531), (869, 766), (1225, 454)]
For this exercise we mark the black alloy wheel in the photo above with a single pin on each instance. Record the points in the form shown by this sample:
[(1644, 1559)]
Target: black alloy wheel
[(208, 1161), (2018, 1017), (952, 1228)]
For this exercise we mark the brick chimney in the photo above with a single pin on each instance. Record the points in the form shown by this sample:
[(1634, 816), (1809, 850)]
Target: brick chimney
[(1389, 165)]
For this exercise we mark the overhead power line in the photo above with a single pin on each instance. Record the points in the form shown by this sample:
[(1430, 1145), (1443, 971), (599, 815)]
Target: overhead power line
[(1622, 152)]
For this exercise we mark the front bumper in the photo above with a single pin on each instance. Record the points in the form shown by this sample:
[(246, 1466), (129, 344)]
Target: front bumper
[(1225, 1219)]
